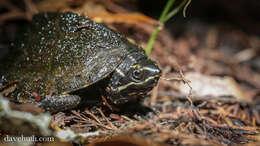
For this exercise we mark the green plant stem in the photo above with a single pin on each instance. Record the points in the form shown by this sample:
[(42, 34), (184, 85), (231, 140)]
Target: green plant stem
[(151, 41), (156, 30), (165, 16), (166, 9), (174, 12)]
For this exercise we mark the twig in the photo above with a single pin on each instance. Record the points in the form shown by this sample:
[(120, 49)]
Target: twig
[(13, 12), (30, 9), (185, 81), (154, 95), (126, 118), (94, 122), (93, 116), (155, 90), (110, 123), (8, 84)]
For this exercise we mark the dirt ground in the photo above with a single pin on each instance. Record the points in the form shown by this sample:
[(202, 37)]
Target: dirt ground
[(209, 92)]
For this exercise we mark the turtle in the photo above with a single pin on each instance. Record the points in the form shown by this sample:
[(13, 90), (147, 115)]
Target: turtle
[(66, 58)]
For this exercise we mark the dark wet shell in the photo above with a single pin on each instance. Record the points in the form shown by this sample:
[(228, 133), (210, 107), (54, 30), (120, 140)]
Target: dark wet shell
[(66, 52)]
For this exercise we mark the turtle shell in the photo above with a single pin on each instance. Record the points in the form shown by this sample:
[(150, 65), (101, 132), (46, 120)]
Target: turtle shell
[(65, 52)]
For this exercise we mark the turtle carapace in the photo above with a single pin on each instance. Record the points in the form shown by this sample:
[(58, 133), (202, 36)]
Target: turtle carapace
[(62, 53)]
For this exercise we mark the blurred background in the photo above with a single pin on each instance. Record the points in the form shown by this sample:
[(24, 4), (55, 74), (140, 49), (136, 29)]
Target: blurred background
[(215, 48)]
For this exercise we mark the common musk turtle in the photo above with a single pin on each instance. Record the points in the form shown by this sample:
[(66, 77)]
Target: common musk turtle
[(64, 53)]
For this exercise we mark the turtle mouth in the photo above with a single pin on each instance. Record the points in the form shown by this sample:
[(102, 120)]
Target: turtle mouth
[(120, 100), (130, 96), (125, 99), (132, 92)]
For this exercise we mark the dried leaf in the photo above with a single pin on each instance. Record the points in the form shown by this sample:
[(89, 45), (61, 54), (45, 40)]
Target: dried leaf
[(203, 85)]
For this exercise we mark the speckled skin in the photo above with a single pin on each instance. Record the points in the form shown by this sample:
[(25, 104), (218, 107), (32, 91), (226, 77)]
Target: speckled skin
[(63, 52), (57, 54)]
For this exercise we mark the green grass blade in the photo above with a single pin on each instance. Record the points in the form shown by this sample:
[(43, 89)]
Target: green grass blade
[(165, 16), (156, 30)]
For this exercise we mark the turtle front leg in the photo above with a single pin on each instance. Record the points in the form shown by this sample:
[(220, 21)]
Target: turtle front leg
[(57, 103)]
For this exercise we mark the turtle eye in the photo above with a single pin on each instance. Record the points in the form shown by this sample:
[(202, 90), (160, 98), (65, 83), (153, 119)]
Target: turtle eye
[(137, 74)]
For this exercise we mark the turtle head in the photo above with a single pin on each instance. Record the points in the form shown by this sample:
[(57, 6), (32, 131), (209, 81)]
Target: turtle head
[(133, 78)]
